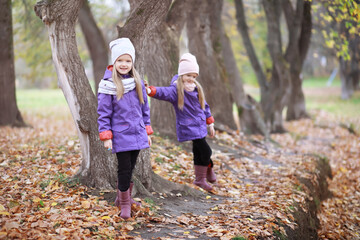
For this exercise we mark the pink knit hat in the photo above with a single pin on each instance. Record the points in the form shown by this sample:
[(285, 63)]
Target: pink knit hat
[(188, 64)]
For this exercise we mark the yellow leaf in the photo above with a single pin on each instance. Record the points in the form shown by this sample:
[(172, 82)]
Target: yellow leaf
[(2, 208), (53, 204), (208, 197), (3, 233), (45, 209), (344, 170), (105, 217), (55, 187), (330, 43), (186, 232), (249, 219), (85, 204), (5, 213)]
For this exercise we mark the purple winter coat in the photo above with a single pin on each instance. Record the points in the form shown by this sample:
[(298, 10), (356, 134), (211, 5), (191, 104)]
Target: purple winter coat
[(126, 118), (191, 121)]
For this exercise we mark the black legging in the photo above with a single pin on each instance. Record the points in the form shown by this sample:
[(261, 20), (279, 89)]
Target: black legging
[(126, 164), (202, 152)]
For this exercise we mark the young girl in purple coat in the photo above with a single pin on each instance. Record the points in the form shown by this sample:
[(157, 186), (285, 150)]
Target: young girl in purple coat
[(124, 117), (192, 116)]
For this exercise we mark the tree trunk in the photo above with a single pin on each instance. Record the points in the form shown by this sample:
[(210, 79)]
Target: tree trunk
[(280, 85), (97, 167), (163, 49), (95, 42), (10, 114), (249, 111), (299, 27), (243, 30), (203, 27), (346, 80), (265, 87)]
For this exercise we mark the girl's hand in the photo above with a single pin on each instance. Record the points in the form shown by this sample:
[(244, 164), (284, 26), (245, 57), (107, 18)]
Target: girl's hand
[(108, 144), (149, 140), (146, 83), (212, 130)]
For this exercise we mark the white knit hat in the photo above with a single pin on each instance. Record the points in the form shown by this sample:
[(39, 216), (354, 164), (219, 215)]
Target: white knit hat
[(121, 46), (188, 64)]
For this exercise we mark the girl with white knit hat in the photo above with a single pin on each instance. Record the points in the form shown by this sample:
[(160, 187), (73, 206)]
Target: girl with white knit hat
[(124, 117), (192, 116)]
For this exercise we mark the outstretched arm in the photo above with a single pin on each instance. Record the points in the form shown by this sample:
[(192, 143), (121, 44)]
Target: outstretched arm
[(163, 93)]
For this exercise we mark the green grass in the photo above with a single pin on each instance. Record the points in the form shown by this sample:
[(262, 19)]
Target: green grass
[(320, 96), (334, 104), (39, 98), (320, 82)]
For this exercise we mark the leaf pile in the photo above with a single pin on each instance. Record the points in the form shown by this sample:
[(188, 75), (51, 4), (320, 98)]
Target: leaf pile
[(258, 180), (339, 215)]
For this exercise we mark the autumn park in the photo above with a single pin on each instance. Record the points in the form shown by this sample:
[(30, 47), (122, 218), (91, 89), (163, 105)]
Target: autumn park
[(180, 119)]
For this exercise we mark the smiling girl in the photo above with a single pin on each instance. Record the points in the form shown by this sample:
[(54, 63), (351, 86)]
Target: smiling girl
[(192, 116), (124, 117)]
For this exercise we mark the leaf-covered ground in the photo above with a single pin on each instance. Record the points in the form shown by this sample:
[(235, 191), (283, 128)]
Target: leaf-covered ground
[(258, 191)]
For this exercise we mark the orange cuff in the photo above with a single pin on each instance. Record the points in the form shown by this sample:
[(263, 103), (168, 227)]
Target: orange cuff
[(153, 91), (210, 120), (149, 130), (110, 67), (106, 135)]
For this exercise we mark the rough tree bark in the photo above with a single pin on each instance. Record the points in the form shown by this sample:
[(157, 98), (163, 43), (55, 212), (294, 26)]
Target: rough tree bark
[(299, 26), (95, 42), (203, 28), (10, 114), (97, 167), (162, 59)]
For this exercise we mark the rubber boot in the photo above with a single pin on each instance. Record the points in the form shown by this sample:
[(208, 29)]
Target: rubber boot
[(125, 204), (132, 201), (210, 175), (117, 199), (200, 177)]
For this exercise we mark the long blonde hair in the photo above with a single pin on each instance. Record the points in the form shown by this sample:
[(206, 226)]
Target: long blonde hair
[(117, 79), (180, 92)]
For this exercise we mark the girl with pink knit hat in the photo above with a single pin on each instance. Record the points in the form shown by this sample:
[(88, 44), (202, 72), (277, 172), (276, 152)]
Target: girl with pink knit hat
[(192, 116)]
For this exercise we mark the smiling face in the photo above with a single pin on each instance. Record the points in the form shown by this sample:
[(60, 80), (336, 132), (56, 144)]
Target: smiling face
[(123, 64), (189, 78)]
